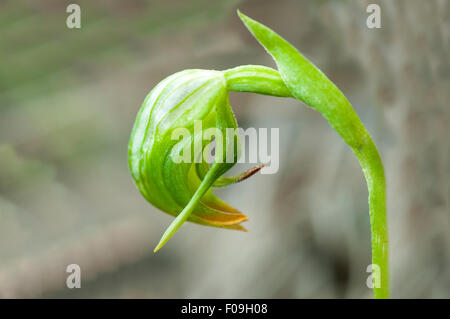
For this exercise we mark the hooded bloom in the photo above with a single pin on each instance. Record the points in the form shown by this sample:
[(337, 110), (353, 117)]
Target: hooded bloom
[(176, 105)]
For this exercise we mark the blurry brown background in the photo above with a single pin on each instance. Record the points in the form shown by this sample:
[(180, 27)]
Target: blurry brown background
[(68, 100)]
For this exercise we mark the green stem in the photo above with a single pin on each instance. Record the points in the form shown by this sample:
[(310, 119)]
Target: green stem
[(373, 170), (263, 80), (311, 86)]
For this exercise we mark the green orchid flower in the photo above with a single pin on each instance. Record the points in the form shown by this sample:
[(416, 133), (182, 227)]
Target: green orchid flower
[(177, 102), (175, 106)]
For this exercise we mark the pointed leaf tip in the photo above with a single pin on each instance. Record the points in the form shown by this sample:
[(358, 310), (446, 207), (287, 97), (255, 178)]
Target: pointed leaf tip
[(242, 16)]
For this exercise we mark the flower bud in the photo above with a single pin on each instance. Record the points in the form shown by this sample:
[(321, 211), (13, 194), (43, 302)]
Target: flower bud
[(186, 104)]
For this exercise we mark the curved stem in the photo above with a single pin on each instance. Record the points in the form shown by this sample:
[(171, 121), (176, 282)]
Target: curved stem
[(264, 80), (373, 170), (256, 79), (311, 86)]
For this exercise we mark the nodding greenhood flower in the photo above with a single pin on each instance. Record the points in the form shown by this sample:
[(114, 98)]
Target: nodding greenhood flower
[(183, 188), (182, 101)]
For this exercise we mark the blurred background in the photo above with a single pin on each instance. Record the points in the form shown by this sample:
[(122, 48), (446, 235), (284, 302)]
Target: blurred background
[(68, 101)]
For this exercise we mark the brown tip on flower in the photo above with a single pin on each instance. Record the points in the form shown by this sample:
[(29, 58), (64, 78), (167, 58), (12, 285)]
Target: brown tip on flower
[(249, 173)]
